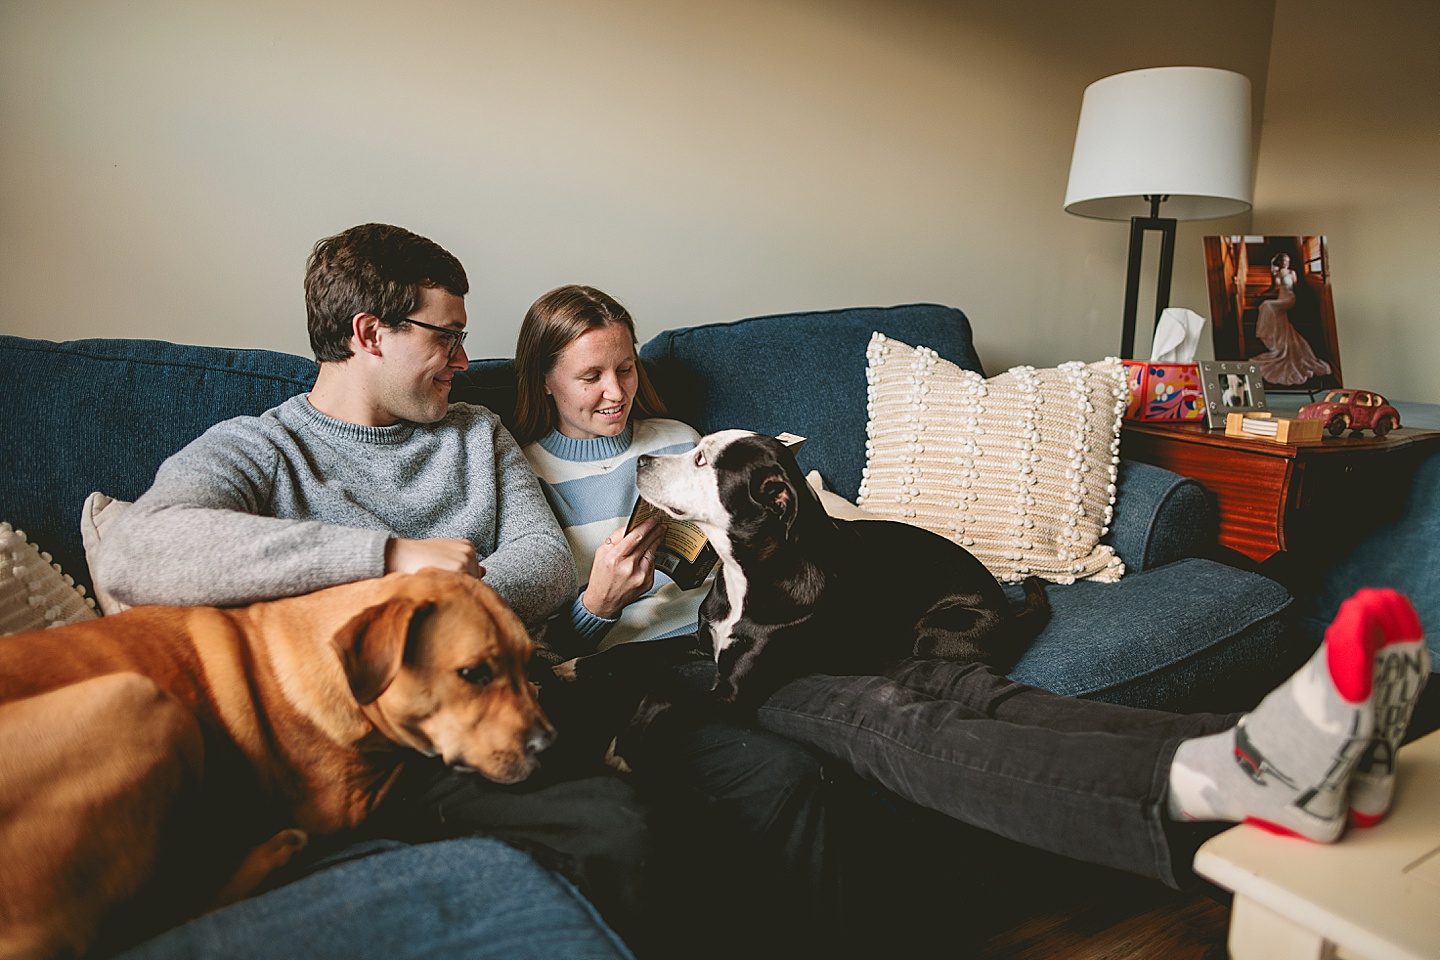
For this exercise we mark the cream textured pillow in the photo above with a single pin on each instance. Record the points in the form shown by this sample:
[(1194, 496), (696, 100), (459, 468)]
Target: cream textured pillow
[(1018, 469), (34, 594), (96, 516)]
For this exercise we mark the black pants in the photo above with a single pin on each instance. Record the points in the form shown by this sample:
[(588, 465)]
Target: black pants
[(1079, 778), (723, 836)]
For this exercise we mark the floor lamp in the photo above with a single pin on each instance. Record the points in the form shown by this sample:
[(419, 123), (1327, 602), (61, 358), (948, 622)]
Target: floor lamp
[(1172, 136)]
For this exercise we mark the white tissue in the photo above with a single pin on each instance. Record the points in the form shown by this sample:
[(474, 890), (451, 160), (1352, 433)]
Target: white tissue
[(1177, 336)]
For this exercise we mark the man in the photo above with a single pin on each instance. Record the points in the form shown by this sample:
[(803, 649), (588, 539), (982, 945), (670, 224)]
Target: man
[(372, 472)]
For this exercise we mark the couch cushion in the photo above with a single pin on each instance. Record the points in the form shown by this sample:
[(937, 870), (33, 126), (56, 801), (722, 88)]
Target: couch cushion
[(801, 372), (473, 897), (1191, 635), (1019, 469), (90, 415)]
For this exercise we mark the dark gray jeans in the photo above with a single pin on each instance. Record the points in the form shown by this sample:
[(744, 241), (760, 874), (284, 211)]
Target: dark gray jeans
[(1079, 778)]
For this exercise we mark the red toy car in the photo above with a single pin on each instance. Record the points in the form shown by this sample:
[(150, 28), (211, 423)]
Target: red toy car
[(1353, 410)]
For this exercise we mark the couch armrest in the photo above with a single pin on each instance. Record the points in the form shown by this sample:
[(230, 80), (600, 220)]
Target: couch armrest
[(1160, 517)]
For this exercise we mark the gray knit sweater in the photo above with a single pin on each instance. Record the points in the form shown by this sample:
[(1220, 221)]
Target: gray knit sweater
[(293, 501)]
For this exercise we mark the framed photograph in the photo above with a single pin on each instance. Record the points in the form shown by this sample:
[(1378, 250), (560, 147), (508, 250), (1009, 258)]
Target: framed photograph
[(1231, 386), (1271, 304)]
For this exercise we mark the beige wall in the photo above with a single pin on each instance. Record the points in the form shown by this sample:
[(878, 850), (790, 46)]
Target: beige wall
[(165, 166), (1351, 149)]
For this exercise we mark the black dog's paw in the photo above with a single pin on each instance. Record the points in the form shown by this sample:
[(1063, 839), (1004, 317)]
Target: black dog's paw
[(674, 707), (591, 700), (957, 627), (627, 750), (1034, 612), (633, 664), (969, 628)]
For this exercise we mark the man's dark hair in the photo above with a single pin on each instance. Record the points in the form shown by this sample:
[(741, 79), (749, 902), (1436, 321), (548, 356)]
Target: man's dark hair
[(373, 268)]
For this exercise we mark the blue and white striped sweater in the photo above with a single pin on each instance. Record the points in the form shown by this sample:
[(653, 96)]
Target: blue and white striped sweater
[(591, 487)]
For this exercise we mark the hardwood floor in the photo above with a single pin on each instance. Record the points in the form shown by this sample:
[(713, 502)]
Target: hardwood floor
[(984, 898), (1119, 920)]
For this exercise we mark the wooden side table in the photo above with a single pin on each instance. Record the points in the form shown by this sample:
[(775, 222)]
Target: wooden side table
[(1278, 497), (1372, 896)]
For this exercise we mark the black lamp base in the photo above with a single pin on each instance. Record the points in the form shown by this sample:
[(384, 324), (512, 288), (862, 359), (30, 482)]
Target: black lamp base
[(1138, 228)]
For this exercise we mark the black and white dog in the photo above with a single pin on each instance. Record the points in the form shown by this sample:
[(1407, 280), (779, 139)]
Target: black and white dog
[(799, 592)]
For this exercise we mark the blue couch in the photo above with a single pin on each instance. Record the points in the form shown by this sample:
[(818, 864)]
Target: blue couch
[(1402, 553), (1182, 630)]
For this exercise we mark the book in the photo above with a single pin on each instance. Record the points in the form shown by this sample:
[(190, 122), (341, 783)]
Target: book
[(685, 555)]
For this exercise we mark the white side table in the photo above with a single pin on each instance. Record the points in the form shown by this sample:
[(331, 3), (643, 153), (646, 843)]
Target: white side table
[(1375, 895)]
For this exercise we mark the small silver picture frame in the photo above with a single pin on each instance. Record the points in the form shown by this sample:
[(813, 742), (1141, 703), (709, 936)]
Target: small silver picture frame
[(1231, 386)]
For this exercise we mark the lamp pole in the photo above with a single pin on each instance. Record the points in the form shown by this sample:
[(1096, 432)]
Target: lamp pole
[(1138, 228)]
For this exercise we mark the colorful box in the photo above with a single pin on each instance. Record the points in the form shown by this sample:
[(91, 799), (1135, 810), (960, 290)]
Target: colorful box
[(1164, 391)]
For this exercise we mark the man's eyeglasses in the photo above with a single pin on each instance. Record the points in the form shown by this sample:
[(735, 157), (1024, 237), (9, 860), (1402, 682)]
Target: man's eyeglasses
[(457, 337)]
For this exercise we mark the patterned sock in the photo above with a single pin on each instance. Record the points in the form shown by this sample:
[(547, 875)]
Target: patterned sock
[(1402, 665), (1287, 765)]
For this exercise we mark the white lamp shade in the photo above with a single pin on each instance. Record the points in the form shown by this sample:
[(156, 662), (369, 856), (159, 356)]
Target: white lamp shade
[(1177, 131)]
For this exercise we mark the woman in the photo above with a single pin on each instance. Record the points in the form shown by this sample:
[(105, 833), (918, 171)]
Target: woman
[(1289, 360), (585, 411), (580, 381)]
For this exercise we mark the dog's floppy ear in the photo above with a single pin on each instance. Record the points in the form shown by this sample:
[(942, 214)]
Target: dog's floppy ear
[(372, 644), (776, 494)]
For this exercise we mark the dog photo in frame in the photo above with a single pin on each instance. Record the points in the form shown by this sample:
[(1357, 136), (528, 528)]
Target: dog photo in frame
[(1230, 386)]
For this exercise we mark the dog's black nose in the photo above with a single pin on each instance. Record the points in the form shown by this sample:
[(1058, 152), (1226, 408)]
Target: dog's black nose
[(643, 461), (539, 740)]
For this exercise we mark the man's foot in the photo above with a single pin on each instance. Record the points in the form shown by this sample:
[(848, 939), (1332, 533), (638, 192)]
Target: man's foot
[(1288, 764), (1402, 665)]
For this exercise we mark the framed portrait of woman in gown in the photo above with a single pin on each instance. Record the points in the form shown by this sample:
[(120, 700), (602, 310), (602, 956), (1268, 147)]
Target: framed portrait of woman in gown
[(1271, 306)]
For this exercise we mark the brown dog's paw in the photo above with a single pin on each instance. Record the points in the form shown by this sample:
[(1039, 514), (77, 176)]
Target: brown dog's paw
[(264, 860)]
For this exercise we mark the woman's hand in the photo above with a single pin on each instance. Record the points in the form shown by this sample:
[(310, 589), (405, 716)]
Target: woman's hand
[(624, 569)]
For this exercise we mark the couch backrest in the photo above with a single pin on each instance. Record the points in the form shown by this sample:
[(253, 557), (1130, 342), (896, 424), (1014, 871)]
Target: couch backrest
[(103, 414), (89, 415), (489, 383), (799, 372)]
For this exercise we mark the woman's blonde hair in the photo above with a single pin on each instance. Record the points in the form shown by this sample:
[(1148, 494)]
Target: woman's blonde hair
[(552, 323)]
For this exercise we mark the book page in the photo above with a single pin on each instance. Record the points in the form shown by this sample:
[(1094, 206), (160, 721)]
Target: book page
[(682, 538)]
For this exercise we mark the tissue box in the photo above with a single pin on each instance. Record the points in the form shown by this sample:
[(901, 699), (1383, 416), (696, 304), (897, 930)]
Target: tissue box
[(1164, 391)]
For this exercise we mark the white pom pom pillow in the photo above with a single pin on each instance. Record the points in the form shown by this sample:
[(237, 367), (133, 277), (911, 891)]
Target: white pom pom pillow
[(34, 592), (1019, 469)]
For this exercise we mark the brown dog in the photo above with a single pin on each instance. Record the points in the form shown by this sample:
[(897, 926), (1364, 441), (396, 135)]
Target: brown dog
[(172, 757)]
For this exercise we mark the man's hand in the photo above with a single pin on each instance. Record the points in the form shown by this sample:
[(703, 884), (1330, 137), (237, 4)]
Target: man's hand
[(624, 569), (408, 556)]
